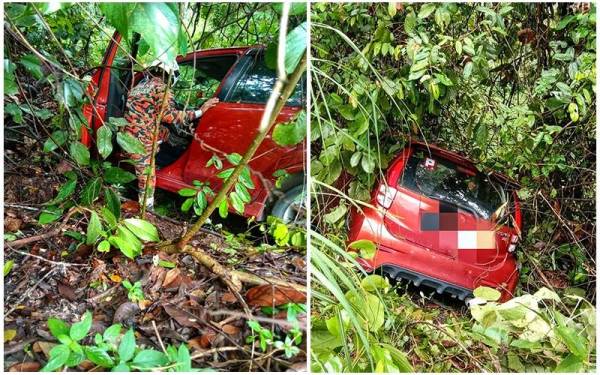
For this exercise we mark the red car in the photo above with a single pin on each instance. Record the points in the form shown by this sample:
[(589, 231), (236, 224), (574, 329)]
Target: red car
[(439, 222), (240, 79)]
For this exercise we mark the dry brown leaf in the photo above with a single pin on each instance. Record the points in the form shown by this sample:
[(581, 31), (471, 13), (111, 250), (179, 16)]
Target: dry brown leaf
[(43, 347), (116, 278), (173, 276), (12, 224), (67, 292), (207, 339), (271, 295), (130, 206), (228, 298), (230, 329), (182, 317), (25, 367)]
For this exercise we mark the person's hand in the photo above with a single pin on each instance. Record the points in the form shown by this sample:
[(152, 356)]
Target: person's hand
[(209, 104)]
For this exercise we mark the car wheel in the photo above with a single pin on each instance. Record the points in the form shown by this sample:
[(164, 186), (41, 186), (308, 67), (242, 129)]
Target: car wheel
[(291, 206)]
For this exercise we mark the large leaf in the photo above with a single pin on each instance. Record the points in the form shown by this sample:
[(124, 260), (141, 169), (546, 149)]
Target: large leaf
[(33, 65), (80, 153), (149, 359), (157, 23), (90, 191), (127, 346), (58, 356), (130, 144), (56, 139), (99, 356), (294, 49), (104, 141), (94, 229), (143, 229), (291, 133), (116, 175), (80, 329), (111, 198)]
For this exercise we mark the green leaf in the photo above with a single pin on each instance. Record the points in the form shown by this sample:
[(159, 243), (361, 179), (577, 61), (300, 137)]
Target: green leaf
[(223, 208), (50, 214), (187, 192), (70, 93), (291, 133), (10, 86), (143, 229), (127, 242), (94, 229), (57, 139), (15, 111), (487, 293), (369, 307), (64, 192), (104, 246), (243, 192), (234, 158), (149, 359), (336, 214), (58, 327), (426, 10), (99, 356), (111, 198), (573, 340), (569, 364), (58, 357), (236, 202), (116, 175), (187, 204), (373, 282), (91, 191), (33, 65), (80, 329), (294, 49), (8, 267), (127, 346), (158, 24), (130, 144), (121, 367), (104, 141), (80, 153), (468, 69), (184, 360)]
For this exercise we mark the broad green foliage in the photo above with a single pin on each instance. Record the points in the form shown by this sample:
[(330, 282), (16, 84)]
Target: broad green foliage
[(110, 350), (349, 335), (536, 323), (198, 196)]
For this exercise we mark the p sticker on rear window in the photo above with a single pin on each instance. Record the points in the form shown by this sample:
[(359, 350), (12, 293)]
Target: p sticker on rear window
[(430, 164)]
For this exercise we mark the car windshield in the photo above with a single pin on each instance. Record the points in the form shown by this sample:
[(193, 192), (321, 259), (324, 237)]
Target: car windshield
[(444, 181)]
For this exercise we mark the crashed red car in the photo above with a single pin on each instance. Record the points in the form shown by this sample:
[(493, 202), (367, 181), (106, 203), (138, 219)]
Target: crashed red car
[(241, 80), (439, 222)]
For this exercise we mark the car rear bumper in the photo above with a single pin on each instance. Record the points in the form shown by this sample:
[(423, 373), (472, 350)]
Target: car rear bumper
[(429, 267)]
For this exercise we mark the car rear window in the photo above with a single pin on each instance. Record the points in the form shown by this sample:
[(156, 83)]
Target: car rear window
[(445, 181)]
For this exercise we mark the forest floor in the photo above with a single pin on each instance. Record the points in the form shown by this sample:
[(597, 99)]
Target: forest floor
[(183, 301)]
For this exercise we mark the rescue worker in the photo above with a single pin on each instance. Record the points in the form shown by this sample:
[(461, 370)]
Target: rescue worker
[(143, 106)]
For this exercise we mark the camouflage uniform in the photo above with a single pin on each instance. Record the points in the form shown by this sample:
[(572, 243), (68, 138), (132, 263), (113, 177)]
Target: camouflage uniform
[(143, 106)]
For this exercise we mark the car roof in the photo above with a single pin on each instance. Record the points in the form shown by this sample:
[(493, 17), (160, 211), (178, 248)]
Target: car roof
[(460, 159)]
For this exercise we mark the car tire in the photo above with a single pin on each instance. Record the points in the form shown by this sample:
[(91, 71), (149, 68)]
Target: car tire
[(290, 205)]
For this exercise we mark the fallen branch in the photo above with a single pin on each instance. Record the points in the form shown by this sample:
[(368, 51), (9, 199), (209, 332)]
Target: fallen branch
[(232, 278), (54, 232)]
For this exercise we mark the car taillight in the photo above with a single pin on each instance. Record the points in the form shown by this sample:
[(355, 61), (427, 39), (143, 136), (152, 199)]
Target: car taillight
[(385, 196)]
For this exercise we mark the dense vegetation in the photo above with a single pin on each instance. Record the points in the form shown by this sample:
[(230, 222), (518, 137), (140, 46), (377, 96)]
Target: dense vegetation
[(89, 281), (511, 86)]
